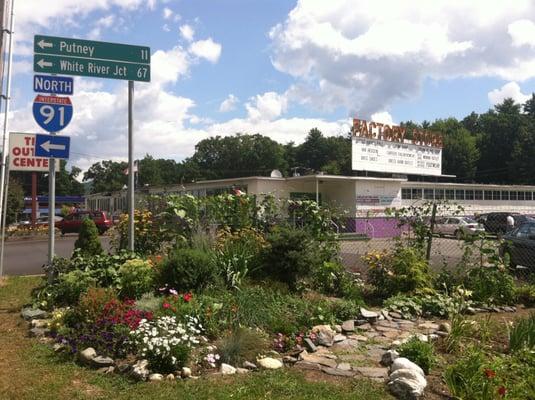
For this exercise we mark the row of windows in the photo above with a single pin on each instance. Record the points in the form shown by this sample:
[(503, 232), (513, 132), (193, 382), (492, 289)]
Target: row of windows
[(465, 194)]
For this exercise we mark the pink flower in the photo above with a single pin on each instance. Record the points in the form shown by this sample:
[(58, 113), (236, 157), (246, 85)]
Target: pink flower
[(166, 305), (187, 297)]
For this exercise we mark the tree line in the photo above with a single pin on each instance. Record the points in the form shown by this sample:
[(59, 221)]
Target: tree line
[(493, 147)]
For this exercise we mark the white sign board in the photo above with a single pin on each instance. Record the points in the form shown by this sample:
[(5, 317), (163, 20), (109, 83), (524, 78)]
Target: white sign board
[(21, 154), (395, 157)]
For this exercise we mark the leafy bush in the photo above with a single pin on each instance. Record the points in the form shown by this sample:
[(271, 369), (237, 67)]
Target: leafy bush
[(290, 256), (407, 306), (136, 277), (241, 344), (88, 241), (522, 334), (332, 279), (165, 342), (149, 302), (149, 237), (491, 285), (237, 254), (188, 269), (70, 286), (92, 304), (471, 377), (420, 353), (525, 294), (403, 271)]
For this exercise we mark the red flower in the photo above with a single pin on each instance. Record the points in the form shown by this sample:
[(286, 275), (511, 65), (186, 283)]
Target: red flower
[(166, 305), (502, 390), (187, 297), (490, 373)]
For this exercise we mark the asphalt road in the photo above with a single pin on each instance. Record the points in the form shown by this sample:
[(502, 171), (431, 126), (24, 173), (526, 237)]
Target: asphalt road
[(26, 257)]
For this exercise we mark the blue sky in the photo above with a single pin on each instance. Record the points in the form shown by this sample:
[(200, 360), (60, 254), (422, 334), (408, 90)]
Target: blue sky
[(279, 67)]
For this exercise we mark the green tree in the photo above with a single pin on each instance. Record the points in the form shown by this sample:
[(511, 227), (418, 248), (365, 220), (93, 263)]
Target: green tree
[(106, 176), (240, 155), (331, 155), (15, 200), (460, 153), (66, 182), (88, 241)]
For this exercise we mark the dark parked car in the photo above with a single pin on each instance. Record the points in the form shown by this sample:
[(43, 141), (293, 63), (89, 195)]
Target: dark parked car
[(496, 222), (72, 222), (519, 244)]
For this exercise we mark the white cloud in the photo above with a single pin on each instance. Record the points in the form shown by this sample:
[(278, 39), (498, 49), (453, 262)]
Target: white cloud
[(168, 66), (166, 28), (229, 104), (187, 32), (509, 90), (522, 32), (383, 117), (167, 13), (266, 107), (366, 54), (207, 49)]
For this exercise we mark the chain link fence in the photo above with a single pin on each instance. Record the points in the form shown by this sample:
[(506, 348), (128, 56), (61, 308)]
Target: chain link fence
[(451, 239)]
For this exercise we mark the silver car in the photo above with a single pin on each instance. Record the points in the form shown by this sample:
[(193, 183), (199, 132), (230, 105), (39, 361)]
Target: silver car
[(459, 227)]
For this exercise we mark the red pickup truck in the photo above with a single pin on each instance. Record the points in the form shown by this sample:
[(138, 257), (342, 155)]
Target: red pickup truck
[(72, 222)]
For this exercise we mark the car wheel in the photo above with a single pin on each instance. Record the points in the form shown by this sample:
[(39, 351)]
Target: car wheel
[(62, 232), (458, 235)]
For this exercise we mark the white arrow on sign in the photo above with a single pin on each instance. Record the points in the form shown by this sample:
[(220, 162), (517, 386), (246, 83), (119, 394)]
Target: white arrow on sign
[(47, 146), (42, 44), (42, 63)]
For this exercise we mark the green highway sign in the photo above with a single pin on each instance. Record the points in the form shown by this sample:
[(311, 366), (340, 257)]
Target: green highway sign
[(87, 67), (67, 56)]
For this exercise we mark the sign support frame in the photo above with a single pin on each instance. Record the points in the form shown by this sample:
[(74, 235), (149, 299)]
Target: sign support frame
[(131, 179)]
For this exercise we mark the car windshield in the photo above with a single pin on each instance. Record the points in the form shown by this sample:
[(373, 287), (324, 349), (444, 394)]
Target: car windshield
[(468, 220)]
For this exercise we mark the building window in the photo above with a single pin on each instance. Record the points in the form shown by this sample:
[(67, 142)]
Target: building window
[(416, 194), (513, 195), (450, 194), (405, 194), (439, 194), (527, 195), (469, 195), (459, 194), (496, 195), (488, 195), (429, 194), (478, 194), (521, 196), (505, 195)]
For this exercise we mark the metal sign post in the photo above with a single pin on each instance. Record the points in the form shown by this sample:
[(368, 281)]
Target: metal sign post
[(51, 214), (131, 165)]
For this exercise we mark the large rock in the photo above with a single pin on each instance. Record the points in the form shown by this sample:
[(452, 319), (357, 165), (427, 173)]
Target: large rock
[(407, 384), (338, 372), (369, 315), (227, 369), (140, 370), (87, 355), (310, 345), (33, 313), (373, 372), (316, 359), (38, 332), (186, 372), (405, 363), (389, 357), (249, 365), (324, 335), (39, 323), (348, 326), (155, 377), (270, 363), (100, 361)]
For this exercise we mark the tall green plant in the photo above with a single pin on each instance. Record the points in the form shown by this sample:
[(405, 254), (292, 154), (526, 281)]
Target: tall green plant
[(88, 241)]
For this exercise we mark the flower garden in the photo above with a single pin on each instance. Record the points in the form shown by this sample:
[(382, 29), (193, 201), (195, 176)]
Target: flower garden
[(230, 285)]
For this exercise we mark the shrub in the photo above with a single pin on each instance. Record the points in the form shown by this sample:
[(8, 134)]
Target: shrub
[(290, 256), (491, 285), (407, 306), (525, 294), (149, 302), (91, 305), (241, 344), (149, 237), (71, 286), (188, 269), (165, 342), (420, 353), (403, 271), (136, 277), (332, 279), (237, 254), (472, 377), (522, 334), (88, 241)]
